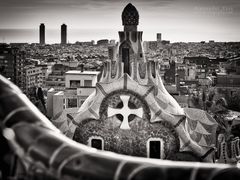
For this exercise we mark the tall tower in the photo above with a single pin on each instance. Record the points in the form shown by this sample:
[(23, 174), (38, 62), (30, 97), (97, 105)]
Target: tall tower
[(64, 34), (12, 64), (159, 37), (42, 33), (130, 40)]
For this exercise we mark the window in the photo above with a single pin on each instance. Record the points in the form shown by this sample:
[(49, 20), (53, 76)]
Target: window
[(126, 60), (71, 102), (96, 142), (87, 82), (155, 148), (74, 83), (82, 101)]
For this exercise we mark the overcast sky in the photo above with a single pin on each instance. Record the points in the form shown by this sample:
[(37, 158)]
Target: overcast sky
[(177, 20)]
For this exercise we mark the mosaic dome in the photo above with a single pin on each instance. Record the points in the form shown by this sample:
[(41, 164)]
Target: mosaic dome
[(130, 15)]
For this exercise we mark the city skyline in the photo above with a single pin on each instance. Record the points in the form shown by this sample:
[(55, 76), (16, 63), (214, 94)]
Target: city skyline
[(177, 20)]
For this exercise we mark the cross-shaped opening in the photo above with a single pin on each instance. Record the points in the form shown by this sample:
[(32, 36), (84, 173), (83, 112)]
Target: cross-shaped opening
[(131, 106), (125, 113)]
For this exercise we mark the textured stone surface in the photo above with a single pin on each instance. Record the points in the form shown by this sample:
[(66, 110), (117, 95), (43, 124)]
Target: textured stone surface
[(113, 100), (132, 141)]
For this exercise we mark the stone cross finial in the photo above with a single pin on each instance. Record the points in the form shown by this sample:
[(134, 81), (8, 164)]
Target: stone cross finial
[(125, 111)]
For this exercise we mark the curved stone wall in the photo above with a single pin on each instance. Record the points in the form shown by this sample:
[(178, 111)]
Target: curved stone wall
[(131, 142)]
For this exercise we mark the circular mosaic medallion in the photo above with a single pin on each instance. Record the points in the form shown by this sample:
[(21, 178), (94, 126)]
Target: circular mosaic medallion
[(124, 104)]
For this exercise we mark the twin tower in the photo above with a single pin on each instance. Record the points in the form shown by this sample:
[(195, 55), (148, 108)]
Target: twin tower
[(63, 34)]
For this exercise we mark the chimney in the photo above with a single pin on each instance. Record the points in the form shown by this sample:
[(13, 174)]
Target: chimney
[(82, 67)]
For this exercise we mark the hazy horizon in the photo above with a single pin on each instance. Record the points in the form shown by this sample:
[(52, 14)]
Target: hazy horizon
[(31, 35), (177, 20)]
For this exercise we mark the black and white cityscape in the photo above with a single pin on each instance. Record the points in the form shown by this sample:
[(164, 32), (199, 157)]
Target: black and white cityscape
[(119, 89)]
